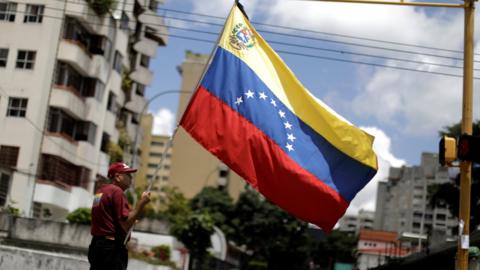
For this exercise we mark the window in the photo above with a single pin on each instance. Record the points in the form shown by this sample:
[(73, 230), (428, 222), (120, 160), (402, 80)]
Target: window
[(117, 62), (152, 165), (153, 5), (34, 14), (144, 61), (85, 131), (7, 11), (140, 90), (25, 59), (9, 155), (60, 122), (68, 77), (3, 57), (158, 143), (105, 142), (100, 45), (53, 168), (4, 187), (112, 103), (124, 21), (165, 178), (17, 107)]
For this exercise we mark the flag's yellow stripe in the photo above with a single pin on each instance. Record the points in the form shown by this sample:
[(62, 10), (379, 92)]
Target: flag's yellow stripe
[(282, 82)]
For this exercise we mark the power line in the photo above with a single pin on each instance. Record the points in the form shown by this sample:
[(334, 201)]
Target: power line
[(316, 38), (293, 28), (333, 50), (320, 32), (304, 54)]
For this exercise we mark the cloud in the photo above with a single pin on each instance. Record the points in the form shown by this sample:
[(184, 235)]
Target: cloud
[(366, 198), (163, 122), (407, 101)]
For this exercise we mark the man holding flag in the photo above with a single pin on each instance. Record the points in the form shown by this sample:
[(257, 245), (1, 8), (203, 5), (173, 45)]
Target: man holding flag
[(251, 112)]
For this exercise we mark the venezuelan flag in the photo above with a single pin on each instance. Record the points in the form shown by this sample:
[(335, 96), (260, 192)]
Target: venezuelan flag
[(252, 113)]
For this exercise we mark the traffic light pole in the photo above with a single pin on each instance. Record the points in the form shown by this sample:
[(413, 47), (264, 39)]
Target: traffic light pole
[(467, 115), (465, 166)]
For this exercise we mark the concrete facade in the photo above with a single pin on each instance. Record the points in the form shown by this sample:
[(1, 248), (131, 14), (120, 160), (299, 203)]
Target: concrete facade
[(72, 85), (402, 202), (353, 223), (193, 167)]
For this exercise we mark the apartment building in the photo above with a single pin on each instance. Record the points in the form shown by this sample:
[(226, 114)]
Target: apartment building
[(402, 202), (153, 147), (354, 223), (193, 167), (72, 84)]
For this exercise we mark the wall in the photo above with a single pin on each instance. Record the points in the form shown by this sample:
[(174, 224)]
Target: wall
[(23, 259)]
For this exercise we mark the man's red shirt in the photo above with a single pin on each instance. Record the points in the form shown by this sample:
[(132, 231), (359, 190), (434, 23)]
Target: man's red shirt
[(110, 205)]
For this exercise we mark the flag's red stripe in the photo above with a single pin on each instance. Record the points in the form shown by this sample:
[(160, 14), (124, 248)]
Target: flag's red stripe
[(255, 157)]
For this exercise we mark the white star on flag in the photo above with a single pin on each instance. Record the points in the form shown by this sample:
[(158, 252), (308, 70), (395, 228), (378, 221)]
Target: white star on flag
[(289, 147), (291, 137), (263, 96), (239, 100), (287, 125), (281, 113), (273, 103), (250, 94)]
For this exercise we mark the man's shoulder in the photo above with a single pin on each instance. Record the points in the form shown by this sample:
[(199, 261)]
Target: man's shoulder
[(109, 188)]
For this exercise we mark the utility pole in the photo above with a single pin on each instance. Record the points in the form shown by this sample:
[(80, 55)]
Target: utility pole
[(467, 108)]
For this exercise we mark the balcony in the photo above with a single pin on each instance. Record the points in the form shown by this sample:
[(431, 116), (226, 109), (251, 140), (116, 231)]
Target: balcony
[(142, 75), (76, 55), (146, 46), (61, 196), (155, 27), (69, 100)]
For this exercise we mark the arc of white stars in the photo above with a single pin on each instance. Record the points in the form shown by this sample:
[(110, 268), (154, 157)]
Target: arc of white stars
[(289, 147), (262, 95), (290, 137), (239, 100), (273, 103), (250, 94), (288, 125), (281, 113)]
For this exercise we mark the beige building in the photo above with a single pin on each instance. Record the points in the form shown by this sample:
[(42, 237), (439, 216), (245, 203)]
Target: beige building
[(193, 167), (72, 85), (153, 147)]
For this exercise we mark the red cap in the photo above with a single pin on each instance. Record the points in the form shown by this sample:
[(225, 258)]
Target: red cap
[(119, 167)]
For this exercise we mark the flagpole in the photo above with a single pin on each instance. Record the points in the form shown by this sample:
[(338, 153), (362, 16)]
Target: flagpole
[(170, 140)]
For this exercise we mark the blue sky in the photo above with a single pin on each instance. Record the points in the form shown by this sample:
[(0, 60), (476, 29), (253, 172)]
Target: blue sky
[(403, 109)]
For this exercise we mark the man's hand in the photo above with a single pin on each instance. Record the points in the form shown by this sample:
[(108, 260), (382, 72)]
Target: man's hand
[(144, 199)]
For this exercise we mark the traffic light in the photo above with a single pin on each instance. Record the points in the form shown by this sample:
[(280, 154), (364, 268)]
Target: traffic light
[(469, 148), (447, 150)]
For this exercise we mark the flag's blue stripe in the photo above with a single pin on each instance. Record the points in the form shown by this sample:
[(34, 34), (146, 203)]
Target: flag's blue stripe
[(229, 78)]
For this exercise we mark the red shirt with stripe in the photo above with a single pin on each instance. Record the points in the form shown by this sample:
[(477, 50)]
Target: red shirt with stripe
[(110, 205)]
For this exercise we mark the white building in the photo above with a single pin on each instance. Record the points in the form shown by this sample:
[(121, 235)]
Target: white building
[(353, 223), (72, 84)]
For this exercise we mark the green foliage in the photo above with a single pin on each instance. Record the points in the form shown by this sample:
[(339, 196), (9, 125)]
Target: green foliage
[(102, 7), (284, 242), (115, 152), (162, 252), (218, 204), (10, 210), (336, 247), (80, 216), (456, 129)]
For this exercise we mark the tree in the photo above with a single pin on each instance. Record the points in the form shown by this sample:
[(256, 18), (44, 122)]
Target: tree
[(276, 239), (218, 204), (192, 228), (80, 216), (336, 247)]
